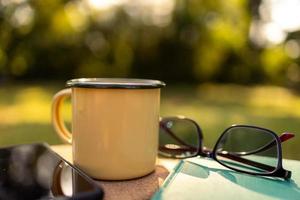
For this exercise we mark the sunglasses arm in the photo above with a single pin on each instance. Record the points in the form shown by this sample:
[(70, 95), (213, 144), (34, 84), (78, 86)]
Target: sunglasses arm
[(208, 153), (286, 136), (282, 173)]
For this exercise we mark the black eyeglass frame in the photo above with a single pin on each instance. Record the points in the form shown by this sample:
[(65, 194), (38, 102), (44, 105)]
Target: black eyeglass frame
[(278, 171)]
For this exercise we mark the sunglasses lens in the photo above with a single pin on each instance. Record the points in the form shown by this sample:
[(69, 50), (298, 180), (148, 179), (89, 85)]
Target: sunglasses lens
[(248, 149), (178, 138)]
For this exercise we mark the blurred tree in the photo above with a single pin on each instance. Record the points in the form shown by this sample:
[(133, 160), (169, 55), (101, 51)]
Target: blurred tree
[(172, 40)]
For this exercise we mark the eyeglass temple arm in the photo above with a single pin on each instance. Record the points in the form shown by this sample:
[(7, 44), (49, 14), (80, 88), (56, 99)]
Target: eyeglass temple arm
[(283, 137), (285, 174), (286, 136), (246, 161)]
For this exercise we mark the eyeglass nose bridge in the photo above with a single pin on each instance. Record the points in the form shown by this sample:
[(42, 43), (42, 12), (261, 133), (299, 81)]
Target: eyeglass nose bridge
[(207, 153)]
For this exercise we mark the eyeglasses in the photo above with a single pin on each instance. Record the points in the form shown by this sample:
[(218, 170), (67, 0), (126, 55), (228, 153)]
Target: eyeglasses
[(243, 148)]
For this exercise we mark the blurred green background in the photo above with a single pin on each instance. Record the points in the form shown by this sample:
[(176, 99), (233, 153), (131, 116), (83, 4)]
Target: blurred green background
[(224, 62)]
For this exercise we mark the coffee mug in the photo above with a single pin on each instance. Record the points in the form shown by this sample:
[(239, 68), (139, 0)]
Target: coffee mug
[(114, 125)]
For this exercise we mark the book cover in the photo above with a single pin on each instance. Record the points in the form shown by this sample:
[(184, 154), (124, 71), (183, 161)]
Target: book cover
[(202, 178)]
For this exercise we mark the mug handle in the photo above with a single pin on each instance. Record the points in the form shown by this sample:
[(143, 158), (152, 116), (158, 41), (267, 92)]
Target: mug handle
[(57, 120)]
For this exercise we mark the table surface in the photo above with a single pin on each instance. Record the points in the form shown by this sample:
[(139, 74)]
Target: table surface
[(141, 188)]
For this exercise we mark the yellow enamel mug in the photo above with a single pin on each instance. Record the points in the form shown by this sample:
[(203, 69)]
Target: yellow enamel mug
[(114, 125)]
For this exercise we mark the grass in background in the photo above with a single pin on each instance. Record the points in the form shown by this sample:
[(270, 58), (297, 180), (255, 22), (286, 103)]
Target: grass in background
[(25, 111)]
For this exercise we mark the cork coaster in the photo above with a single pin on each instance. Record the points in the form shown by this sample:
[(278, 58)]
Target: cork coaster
[(136, 189)]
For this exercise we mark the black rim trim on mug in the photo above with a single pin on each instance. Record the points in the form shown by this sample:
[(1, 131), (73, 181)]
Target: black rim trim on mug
[(117, 83)]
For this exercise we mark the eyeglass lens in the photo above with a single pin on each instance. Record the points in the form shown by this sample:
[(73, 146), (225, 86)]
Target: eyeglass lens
[(248, 149), (178, 138)]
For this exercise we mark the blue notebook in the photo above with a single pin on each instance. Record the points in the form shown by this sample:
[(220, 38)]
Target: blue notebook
[(202, 178)]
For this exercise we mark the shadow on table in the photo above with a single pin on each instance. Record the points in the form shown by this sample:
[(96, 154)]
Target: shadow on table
[(272, 187)]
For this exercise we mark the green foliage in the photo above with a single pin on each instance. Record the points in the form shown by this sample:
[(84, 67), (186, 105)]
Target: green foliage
[(175, 40)]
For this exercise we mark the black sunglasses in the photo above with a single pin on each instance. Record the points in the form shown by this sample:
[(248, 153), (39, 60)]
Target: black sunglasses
[(243, 148)]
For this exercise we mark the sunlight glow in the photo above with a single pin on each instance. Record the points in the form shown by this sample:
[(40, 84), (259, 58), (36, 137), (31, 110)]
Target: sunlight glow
[(10, 2), (274, 33), (22, 16), (151, 12), (104, 4), (279, 18), (286, 13)]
